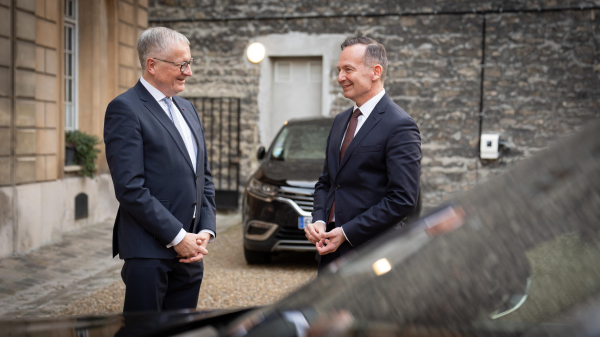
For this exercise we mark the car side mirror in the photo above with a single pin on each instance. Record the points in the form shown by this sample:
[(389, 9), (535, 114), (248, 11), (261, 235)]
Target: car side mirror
[(260, 154)]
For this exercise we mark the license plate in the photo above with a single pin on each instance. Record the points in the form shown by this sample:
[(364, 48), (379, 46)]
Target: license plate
[(303, 221)]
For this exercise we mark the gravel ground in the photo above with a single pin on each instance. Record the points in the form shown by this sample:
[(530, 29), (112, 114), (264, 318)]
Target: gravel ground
[(228, 281)]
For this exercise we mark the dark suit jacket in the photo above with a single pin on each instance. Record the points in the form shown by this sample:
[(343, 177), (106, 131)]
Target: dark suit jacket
[(153, 175), (376, 185)]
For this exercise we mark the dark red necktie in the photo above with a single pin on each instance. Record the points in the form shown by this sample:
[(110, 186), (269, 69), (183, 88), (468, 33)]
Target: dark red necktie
[(347, 140)]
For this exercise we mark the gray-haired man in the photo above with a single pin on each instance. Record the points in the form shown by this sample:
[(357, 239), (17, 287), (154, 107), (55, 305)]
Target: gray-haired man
[(156, 153)]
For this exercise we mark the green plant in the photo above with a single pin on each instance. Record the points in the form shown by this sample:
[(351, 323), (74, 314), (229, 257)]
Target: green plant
[(86, 153)]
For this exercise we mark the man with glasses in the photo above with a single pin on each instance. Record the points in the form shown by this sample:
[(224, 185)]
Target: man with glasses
[(156, 153)]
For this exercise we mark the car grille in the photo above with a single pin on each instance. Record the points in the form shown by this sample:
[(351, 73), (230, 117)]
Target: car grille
[(303, 197), (290, 234)]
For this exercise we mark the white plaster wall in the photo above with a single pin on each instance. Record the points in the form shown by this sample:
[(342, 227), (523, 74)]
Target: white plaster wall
[(102, 204), (30, 229), (6, 221), (52, 199), (44, 211), (301, 45)]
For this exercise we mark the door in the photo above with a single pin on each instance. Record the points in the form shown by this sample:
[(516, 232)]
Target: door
[(297, 85)]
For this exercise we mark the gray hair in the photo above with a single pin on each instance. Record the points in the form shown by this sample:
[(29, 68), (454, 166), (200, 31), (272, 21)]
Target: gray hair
[(156, 41), (375, 53)]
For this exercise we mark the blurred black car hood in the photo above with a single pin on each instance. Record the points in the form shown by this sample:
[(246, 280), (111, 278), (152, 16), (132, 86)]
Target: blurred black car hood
[(288, 172), (136, 324), (502, 257)]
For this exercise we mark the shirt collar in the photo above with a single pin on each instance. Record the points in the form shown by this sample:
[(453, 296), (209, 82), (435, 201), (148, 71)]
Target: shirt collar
[(368, 107), (157, 94)]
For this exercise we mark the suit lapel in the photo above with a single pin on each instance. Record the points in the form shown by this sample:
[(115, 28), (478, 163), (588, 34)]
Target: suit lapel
[(369, 124), (152, 105)]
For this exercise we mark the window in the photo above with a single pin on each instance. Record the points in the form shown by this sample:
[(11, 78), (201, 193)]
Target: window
[(283, 72), (315, 70), (71, 120), (302, 141)]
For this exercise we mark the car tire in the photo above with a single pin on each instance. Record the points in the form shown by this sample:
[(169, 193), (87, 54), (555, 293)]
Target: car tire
[(256, 257)]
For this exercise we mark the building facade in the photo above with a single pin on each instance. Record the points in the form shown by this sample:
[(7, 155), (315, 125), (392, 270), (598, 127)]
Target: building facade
[(531, 69), (61, 62)]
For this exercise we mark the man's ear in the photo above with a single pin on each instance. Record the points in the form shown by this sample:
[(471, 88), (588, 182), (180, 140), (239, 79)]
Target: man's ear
[(377, 70), (150, 64)]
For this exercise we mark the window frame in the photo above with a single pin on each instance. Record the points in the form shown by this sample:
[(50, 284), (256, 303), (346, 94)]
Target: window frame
[(71, 112)]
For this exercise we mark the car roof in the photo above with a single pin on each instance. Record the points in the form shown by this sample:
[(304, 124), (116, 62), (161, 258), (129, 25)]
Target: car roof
[(304, 120)]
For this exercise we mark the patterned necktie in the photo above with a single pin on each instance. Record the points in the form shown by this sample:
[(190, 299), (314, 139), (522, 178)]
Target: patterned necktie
[(168, 103), (347, 140)]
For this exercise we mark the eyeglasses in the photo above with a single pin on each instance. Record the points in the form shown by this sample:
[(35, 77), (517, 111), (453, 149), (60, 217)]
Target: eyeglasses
[(182, 66)]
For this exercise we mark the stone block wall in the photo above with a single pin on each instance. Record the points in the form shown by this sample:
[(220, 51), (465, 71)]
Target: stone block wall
[(541, 77), (211, 9), (133, 19), (6, 117), (28, 92), (36, 202)]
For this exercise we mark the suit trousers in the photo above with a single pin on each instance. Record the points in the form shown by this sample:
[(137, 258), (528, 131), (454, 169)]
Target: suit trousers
[(161, 284)]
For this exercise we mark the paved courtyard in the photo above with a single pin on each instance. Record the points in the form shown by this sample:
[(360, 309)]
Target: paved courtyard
[(78, 277)]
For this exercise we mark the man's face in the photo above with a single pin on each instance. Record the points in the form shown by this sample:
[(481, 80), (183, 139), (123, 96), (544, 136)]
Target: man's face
[(169, 79), (354, 76)]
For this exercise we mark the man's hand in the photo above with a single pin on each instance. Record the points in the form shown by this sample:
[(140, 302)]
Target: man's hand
[(203, 239), (190, 248), (330, 241), (313, 231), (446, 221)]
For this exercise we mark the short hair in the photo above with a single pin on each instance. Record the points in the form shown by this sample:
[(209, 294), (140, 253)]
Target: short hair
[(375, 53), (156, 41)]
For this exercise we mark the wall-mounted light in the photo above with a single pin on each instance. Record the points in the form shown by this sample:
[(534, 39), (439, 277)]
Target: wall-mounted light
[(256, 52)]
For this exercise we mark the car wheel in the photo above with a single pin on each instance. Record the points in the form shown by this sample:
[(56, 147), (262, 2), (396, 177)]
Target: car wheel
[(256, 257)]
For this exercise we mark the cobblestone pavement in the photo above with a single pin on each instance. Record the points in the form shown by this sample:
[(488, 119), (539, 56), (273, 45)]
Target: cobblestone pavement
[(78, 277), (46, 279)]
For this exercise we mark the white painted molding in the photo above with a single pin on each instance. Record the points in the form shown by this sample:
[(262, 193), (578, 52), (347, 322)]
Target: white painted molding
[(326, 46)]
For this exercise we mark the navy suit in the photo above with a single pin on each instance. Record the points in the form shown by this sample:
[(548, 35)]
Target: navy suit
[(376, 185), (154, 180)]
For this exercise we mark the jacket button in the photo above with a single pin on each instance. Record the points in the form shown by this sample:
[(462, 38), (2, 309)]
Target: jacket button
[(195, 203), (196, 177), (337, 187), (327, 210)]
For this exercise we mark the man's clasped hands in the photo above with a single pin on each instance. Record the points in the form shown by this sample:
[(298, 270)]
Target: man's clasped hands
[(326, 242), (193, 247)]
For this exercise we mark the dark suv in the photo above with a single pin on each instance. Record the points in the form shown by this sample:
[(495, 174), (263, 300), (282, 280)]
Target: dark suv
[(278, 199)]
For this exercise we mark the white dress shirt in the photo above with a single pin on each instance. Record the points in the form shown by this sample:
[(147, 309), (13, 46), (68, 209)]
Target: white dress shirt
[(365, 110), (188, 140)]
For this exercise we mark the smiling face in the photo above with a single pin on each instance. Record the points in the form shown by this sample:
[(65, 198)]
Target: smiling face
[(167, 77), (360, 82)]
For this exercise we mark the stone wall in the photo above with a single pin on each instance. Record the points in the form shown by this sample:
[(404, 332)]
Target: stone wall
[(133, 19), (36, 203), (541, 79), (29, 88), (217, 9)]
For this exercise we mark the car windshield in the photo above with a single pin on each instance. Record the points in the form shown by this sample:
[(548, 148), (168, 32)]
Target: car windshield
[(302, 140), (519, 251)]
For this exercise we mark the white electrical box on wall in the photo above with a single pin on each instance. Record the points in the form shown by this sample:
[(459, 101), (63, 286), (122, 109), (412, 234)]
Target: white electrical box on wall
[(489, 146)]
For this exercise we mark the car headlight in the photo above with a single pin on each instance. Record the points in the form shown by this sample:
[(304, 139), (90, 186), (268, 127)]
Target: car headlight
[(262, 188)]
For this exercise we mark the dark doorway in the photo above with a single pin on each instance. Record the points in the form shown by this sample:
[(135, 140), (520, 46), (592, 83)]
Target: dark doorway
[(81, 206)]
